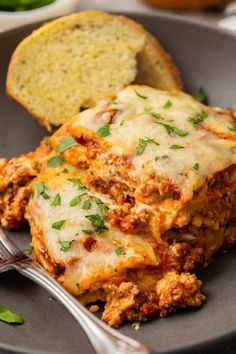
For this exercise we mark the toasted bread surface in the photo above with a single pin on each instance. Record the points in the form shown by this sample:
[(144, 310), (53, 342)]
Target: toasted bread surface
[(70, 63)]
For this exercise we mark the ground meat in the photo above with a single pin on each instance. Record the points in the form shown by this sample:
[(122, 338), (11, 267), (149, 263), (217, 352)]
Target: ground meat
[(177, 291), (15, 176), (119, 300)]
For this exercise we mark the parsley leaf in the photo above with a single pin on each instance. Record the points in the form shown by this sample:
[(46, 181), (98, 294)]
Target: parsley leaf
[(88, 232), (41, 190), (233, 128), (56, 269), (77, 182), (198, 119), (164, 157), (10, 317), (196, 166), (58, 225), (155, 115), (120, 251), (103, 208), (201, 95), (54, 161), (86, 205), (77, 200), (168, 104), (176, 146), (65, 245), (104, 130), (66, 143), (65, 170), (78, 285), (173, 130), (29, 251), (49, 142), (142, 144), (141, 147), (97, 222), (139, 95), (57, 200)]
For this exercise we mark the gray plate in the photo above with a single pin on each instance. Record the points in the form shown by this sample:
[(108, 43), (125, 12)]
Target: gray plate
[(207, 58)]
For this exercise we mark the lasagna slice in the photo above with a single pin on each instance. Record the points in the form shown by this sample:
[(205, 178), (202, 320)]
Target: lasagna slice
[(129, 199)]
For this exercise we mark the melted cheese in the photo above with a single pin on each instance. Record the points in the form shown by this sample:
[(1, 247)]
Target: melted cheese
[(211, 145), (83, 266)]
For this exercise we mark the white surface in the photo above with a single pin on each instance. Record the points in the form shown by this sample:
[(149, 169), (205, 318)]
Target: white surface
[(10, 20)]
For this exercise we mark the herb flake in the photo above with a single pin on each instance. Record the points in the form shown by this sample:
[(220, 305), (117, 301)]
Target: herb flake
[(57, 200), (65, 245), (176, 146), (8, 316), (54, 161), (196, 121), (168, 104), (86, 205), (77, 182), (104, 131), (201, 95), (40, 186), (196, 166), (233, 128), (120, 251), (97, 223), (173, 130), (103, 208), (65, 144), (142, 144), (58, 225), (140, 96)]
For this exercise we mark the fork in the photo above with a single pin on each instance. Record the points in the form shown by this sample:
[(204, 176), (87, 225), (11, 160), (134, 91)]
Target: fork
[(104, 339)]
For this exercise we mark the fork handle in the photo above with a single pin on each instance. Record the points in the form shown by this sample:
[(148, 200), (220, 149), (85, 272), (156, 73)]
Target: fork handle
[(104, 339)]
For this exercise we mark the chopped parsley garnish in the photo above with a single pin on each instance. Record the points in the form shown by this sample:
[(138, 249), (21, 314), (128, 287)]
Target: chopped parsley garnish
[(49, 142), (58, 225), (29, 251), (201, 95), (120, 251), (10, 317), (77, 200), (57, 200), (155, 115), (122, 123), (56, 269), (139, 95), (65, 245), (65, 170), (233, 128), (78, 285), (142, 144), (165, 157), (196, 166), (97, 223), (41, 190), (168, 104), (173, 130), (176, 146), (103, 208), (65, 144), (104, 130), (196, 121), (86, 205), (77, 182), (88, 232), (54, 161)]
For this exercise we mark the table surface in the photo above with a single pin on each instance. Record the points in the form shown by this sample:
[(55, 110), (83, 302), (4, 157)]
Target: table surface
[(140, 7)]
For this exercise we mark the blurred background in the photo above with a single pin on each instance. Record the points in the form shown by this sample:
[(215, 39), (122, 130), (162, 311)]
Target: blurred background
[(17, 12)]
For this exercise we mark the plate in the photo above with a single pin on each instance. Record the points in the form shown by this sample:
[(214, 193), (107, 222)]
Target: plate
[(207, 58)]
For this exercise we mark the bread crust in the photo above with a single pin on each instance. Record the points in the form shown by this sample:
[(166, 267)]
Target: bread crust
[(151, 42)]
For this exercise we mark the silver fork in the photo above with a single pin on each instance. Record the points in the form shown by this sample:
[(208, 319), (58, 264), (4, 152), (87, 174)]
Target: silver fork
[(104, 339)]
